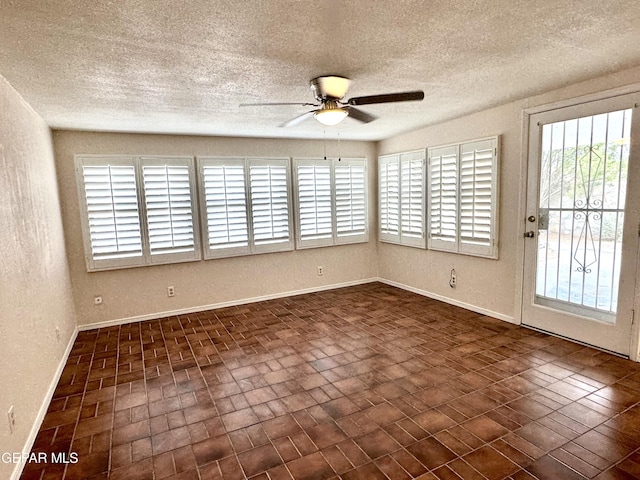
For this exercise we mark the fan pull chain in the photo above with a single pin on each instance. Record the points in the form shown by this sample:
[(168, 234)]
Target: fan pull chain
[(339, 151), (325, 144)]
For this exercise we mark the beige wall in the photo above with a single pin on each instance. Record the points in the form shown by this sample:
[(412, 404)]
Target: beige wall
[(140, 292), (490, 285), (486, 285), (35, 291)]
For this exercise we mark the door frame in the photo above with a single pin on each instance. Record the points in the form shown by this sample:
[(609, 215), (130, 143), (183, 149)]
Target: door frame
[(634, 353)]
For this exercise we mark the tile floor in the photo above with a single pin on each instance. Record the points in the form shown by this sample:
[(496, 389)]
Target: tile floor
[(366, 382)]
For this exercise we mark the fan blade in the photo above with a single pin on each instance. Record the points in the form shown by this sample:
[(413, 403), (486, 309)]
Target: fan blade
[(297, 120), (361, 116), (387, 98), (271, 104)]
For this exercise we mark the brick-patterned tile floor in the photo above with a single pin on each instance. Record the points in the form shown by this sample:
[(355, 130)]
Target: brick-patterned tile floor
[(366, 382)]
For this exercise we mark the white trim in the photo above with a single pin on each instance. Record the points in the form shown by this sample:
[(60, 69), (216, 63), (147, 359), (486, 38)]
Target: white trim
[(230, 303), (590, 97), (634, 353), (573, 340), (273, 296), (46, 401), (522, 213), (450, 301)]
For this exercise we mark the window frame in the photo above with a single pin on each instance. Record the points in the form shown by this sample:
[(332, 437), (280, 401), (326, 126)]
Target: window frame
[(251, 248), (457, 244), (334, 238), (399, 236), (146, 258)]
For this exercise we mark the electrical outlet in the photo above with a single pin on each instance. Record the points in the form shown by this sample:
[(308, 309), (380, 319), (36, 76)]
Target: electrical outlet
[(97, 300), (320, 270), (12, 419), (171, 291), (453, 280)]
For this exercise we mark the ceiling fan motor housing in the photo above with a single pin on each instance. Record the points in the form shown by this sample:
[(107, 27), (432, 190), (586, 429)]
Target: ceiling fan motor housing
[(330, 87)]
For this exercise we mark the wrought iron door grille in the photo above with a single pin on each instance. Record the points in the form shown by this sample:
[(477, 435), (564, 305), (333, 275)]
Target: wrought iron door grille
[(583, 181)]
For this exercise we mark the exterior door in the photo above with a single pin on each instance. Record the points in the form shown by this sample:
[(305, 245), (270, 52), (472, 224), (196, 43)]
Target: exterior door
[(581, 230)]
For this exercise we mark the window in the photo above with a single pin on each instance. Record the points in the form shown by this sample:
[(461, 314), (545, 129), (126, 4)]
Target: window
[(245, 205), (117, 192), (331, 201), (401, 198), (463, 184)]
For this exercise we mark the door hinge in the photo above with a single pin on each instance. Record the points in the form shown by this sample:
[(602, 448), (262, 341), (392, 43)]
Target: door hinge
[(633, 317)]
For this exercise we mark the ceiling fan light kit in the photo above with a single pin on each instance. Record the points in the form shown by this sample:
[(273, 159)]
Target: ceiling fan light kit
[(330, 114), (329, 91)]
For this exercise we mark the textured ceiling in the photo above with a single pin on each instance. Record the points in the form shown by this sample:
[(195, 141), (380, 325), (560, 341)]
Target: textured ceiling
[(184, 67)]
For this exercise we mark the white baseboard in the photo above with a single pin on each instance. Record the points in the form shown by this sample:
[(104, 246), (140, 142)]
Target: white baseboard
[(243, 301), (451, 301), (213, 306), (35, 428)]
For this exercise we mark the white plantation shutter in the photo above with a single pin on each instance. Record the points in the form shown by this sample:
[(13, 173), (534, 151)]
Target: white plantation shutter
[(111, 214), (270, 206), (246, 205), (169, 201), (477, 196), (389, 197), (443, 198), (351, 200), (401, 196), (463, 182), (412, 166), (331, 201), (315, 223), (137, 210), (226, 230)]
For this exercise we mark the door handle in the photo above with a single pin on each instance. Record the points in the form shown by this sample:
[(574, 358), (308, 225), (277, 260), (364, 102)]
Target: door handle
[(529, 234)]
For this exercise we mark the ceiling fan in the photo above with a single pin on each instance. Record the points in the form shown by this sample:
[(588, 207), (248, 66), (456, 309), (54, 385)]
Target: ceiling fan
[(331, 109)]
